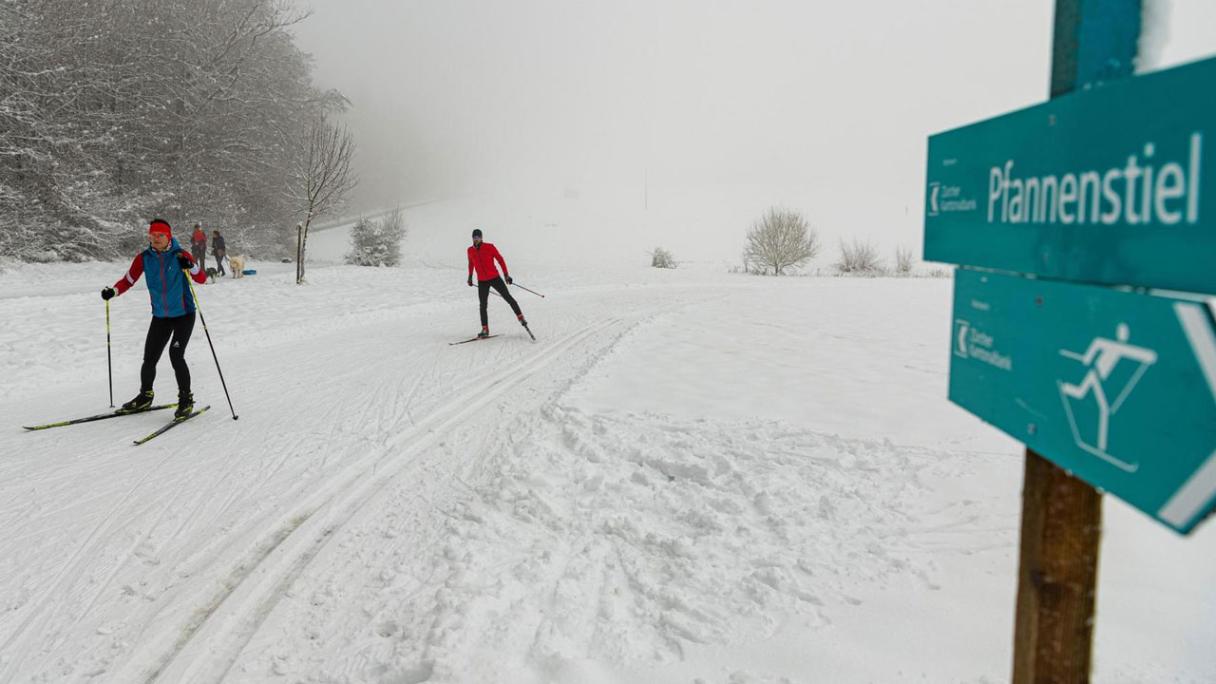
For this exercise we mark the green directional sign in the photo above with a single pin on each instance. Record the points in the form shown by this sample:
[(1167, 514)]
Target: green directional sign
[(1113, 185), (1117, 387)]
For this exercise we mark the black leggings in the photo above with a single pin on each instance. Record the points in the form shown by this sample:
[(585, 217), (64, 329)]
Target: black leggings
[(159, 332), (483, 293)]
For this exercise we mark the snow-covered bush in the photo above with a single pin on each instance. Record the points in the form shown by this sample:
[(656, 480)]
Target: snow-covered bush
[(782, 239), (903, 260), (377, 243), (858, 257), (661, 258)]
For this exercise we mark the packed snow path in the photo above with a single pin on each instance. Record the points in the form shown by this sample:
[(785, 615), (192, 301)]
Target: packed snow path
[(719, 477)]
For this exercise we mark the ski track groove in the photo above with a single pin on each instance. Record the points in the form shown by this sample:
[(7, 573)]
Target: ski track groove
[(119, 564), (98, 536), (356, 483), (272, 598), (22, 632)]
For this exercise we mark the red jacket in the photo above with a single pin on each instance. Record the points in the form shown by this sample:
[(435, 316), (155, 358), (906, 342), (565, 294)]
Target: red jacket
[(482, 260)]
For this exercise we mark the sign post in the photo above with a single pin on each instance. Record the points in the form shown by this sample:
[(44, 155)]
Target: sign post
[(1061, 515), (1084, 315), (1057, 576)]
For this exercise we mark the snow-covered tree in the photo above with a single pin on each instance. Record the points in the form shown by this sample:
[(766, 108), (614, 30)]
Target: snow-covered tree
[(781, 240), (377, 243), (113, 112)]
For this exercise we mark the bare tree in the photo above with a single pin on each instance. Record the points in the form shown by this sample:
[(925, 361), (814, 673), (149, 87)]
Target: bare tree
[(858, 257), (782, 239), (903, 260), (322, 178)]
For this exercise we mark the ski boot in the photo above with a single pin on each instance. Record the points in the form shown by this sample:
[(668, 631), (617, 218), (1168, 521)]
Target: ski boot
[(485, 332), (522, 321), (185, 405), (141, 402)]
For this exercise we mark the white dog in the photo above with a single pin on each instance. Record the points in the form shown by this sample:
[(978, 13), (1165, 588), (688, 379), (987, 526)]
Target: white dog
[(237, 264)]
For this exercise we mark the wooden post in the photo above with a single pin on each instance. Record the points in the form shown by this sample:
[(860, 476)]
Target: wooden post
[(299, 252), (1093, 40), (1057, 576)]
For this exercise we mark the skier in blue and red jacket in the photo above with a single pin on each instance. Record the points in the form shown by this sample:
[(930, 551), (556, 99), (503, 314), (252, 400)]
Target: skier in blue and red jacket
[(164, 263), (482, 256)]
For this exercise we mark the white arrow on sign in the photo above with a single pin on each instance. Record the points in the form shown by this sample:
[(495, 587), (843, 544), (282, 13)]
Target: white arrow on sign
[(1195, 494)]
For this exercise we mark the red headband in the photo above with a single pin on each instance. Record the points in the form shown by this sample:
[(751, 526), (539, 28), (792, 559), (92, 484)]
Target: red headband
[(160, 226)]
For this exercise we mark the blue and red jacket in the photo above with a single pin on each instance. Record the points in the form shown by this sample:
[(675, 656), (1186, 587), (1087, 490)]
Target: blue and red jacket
[(482, 260), (167, 286)]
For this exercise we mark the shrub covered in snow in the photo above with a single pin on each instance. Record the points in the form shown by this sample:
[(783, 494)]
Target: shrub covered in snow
[(903, 260), (858, 257), (661, 258), (377, 243)]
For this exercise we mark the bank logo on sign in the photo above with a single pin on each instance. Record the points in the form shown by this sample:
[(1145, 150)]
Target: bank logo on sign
[(1113, 368), (971, 342), (945, 199), (961, 328)]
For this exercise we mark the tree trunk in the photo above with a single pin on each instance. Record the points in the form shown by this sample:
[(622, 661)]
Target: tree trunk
[(303, 250), (299, 251)]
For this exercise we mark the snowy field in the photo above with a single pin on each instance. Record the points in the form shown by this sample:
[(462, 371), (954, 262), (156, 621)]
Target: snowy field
[(692, 476)]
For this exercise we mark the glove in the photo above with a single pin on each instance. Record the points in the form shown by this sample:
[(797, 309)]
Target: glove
[(509, 280), (470, 281), (108, 293), (185, 261)]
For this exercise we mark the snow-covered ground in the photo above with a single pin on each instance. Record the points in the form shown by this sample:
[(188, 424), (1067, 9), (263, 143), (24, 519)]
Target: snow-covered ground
[(692, 476)]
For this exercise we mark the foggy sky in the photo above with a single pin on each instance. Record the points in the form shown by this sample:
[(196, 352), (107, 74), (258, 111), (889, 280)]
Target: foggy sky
[(828, 104)]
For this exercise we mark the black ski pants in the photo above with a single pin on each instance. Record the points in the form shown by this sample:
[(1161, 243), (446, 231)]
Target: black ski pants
[(159, 334), (483, 294)]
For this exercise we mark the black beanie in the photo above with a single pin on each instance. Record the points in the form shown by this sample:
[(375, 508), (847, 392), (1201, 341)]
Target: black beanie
[(476, 232)]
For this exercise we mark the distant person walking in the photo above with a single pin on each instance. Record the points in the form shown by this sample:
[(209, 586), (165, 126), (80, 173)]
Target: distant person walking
[(198, 246), (164, 263), (482, 256), (219, 250)]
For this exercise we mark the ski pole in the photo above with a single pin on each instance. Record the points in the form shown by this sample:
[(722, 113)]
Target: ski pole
[(109, 364), (202, 318), (527, 290)]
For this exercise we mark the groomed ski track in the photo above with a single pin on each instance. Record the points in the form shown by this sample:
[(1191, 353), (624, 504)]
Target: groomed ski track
[(197, 542), (690, 475)]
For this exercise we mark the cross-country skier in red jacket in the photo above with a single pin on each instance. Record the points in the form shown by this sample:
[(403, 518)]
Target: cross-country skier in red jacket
[(482, 256), (172, 311)]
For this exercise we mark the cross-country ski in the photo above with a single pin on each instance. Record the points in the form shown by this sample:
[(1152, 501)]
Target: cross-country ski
[(472, 339), (118, 413), (178, 420)]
